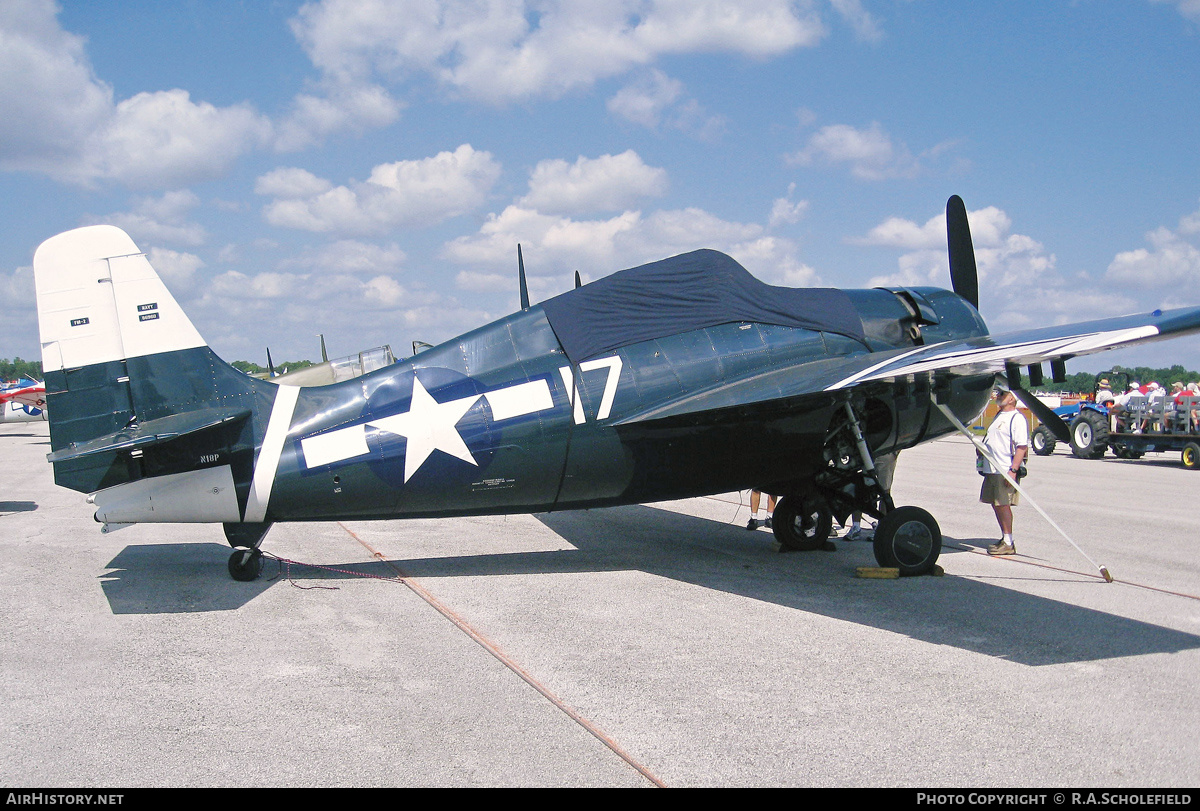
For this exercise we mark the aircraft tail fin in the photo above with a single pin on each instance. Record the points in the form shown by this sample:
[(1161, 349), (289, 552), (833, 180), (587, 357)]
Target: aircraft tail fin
[(100, 301), (133, 392)]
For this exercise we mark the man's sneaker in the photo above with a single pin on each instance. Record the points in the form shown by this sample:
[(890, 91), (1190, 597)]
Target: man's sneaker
[(752, 524), (1002, 549), (855, 534), (767, 523)]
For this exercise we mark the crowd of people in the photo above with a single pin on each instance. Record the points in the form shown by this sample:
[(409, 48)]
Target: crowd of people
[(1134, 410)]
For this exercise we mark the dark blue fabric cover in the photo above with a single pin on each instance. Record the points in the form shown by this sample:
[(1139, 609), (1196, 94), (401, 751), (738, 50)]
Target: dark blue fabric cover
[(684, 293)]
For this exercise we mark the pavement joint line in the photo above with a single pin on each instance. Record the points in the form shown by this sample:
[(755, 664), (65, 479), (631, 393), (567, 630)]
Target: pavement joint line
[(503, 658)]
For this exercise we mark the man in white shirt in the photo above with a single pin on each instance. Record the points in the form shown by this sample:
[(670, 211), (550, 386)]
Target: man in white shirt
[(1007, 442)]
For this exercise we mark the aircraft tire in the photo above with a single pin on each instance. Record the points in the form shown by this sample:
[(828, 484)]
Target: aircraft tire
[(801, 523), (245, 564), (1191, 456), (908, 539), (1042, 440)]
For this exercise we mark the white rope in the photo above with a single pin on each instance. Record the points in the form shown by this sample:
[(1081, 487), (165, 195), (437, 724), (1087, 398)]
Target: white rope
[(1008, 478)]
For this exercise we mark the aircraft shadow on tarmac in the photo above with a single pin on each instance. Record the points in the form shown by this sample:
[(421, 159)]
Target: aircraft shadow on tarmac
[(174, 579), (9, 507), (960, 612)]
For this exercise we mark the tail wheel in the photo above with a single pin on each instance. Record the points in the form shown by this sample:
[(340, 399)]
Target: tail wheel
[(245, 564), (801, 523), (908, 539), (1191, 456)]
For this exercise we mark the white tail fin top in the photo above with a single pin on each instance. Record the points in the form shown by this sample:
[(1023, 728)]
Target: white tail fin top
[(99, 300)]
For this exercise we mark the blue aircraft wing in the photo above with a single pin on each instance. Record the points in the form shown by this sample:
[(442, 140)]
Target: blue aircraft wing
[(989, 354)]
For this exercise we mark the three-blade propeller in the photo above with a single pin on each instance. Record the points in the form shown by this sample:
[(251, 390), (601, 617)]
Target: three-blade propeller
[(964, 278)]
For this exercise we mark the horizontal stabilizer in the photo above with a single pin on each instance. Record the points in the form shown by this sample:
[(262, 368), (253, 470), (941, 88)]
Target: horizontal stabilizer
[(151, 432)]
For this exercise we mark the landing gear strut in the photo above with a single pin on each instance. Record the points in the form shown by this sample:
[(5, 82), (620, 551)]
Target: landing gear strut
[(246, 562), (906, 538)]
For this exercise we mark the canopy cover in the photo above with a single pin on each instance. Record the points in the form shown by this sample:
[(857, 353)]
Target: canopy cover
[(683, 293)]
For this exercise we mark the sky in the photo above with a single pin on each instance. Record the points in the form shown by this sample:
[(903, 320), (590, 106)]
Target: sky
[(365, 170)]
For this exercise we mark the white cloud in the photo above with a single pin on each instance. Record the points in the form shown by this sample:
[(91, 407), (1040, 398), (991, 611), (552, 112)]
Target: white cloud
[(60, 119), (51, 99), (401, 194), (1188, 8), (160, 219), (988, 229), (344, 107), (656, 100), (865, 26), (165, 139), (784, 211), (291, 183), (349, 256), (504, 51), (645, 100), (1170, 264), (870, 153), (177, 269), (555, 246), (606, 183), (1019, 283)]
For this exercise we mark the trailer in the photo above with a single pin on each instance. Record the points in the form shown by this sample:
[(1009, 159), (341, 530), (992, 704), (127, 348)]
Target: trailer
[(1147, 422)]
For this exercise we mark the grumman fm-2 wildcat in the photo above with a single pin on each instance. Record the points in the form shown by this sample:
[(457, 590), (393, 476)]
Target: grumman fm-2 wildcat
[(680, 378)]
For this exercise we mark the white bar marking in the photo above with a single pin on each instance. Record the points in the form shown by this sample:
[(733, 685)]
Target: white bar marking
[(519, 400), (335, 446), (268, 456)]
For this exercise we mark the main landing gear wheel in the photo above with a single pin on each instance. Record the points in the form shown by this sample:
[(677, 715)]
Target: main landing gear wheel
[(801, 523), (908, 539), (245, 564)]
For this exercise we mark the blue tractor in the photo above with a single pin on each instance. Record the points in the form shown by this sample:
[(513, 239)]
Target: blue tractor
[(1089, 424)]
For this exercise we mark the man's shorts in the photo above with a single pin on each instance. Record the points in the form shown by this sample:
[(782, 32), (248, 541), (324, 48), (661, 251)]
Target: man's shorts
[(997, 492)]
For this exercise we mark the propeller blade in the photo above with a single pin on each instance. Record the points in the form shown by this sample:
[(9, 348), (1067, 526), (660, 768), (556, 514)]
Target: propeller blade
[(270, 365), (1044, 413), (578, 281), (521, 275), (964, 276)]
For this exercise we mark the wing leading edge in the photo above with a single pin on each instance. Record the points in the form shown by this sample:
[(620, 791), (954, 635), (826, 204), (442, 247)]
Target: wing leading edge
[(983, 355), (990, 354)]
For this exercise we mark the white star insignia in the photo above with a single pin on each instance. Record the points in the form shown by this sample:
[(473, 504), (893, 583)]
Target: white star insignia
[(429, 426)]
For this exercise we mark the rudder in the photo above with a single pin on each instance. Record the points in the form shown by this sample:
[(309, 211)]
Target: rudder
[(133, 391)]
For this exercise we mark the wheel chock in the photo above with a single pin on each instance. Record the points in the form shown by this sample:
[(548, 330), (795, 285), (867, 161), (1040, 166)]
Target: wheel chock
[(878, 572), (889, 572)]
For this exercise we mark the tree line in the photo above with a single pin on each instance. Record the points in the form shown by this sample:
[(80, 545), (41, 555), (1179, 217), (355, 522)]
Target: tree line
[(15, 368)]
